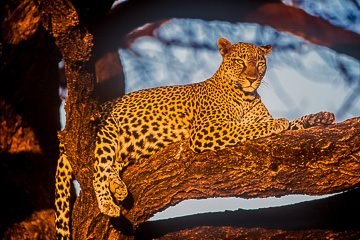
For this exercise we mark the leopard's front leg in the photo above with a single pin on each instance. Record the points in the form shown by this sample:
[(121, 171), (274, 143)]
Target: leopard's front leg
[(317, 119), (214, 136)]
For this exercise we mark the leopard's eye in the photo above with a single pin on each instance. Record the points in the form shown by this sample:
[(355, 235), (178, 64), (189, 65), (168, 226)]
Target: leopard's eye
[(261, 64), (239, 62)]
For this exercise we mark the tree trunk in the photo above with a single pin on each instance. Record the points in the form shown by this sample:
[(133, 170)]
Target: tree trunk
[(75, 44)]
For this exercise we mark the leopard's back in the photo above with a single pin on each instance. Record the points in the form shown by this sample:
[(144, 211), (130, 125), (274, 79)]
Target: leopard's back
[(148, 120)]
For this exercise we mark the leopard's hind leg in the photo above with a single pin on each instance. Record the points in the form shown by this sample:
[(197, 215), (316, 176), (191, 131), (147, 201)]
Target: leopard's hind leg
[(106, 179)]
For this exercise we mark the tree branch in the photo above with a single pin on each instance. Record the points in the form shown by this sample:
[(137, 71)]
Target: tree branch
[(316, 161), (75, 43)]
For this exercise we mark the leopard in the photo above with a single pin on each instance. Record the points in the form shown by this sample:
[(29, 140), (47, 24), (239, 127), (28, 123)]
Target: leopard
[(213, 114)]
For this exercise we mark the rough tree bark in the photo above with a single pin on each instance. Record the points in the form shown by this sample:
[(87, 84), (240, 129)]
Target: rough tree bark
[(75, 44), (316, 161)]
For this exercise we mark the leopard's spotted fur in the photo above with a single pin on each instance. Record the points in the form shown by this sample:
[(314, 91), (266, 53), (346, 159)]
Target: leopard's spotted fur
[(213, 114)]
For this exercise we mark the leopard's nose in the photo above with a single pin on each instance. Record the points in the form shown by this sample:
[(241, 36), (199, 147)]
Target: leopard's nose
[(251, 80)]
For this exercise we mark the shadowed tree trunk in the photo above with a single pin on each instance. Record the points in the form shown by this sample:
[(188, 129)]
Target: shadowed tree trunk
[(29, 115)]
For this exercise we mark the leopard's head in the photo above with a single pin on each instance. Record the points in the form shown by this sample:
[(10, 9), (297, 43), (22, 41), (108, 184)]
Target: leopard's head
[(244, 64)]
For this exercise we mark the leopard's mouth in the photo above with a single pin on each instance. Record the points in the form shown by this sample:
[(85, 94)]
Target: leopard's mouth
[(248, 89), (250, 86), (246, 85)]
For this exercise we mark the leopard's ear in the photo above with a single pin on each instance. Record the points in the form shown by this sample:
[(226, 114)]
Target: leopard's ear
[(266, 49), (224, 46)]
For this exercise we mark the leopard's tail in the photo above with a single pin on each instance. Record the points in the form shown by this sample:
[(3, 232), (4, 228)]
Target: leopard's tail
[(62, 196)]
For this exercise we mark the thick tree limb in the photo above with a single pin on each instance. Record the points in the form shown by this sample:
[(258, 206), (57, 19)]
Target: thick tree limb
[(316, 161)]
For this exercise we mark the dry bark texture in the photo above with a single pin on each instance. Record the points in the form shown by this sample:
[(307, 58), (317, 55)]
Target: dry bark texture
[(76, 45)]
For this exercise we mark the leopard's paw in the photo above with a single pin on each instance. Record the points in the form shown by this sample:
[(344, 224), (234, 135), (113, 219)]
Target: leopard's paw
[(320, 119), (118, 189), (110, 208), (280, 125)]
